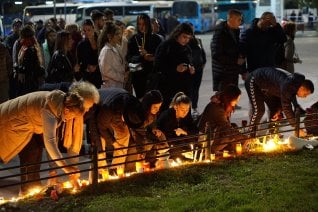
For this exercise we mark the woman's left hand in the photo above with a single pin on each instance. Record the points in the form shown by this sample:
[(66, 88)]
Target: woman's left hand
[(180, 131), (157, 132)]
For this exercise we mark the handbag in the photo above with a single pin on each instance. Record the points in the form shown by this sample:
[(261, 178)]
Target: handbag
[(134, 67)]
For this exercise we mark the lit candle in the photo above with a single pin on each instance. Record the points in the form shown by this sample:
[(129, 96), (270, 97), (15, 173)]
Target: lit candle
[(226, 154), (105, 174), (67, 184), (212, 157), (139, 167), (146, 166), (120, 172), (238, 148), (2, 201)]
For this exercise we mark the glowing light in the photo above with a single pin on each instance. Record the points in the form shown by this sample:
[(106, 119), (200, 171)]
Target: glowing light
[(2, 201), (226, 154), (34, 191), (238, 148), (269, 146), (105, 174), (120, 172), (67, 184), (175, 163), (212, 157), (139, 167)]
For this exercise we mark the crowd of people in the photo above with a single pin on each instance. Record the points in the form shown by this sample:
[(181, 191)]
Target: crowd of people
[(136, 88)]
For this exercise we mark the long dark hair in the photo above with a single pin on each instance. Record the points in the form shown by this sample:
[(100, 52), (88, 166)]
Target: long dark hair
[(225, 97), (61, 39), (110, 28), (147, 22), (150, 98), (181, 28)]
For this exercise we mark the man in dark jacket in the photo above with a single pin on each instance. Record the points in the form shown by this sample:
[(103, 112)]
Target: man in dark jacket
[(110, 120), (226, 57), (278, 89), (260, 42)]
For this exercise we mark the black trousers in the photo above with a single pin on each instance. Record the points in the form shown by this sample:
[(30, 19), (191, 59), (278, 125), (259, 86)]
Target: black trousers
[(258, 98), (139, 81), (197, 78), (31, 153)]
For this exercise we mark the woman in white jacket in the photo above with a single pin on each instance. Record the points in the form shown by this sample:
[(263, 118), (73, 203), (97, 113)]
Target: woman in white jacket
[(110, 60)]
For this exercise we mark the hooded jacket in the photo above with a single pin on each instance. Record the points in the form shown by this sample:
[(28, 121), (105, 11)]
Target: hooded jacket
[(282, 84), (116, 106)]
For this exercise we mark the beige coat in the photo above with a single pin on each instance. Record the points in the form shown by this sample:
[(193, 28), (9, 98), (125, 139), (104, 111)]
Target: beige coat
[(21, 117)]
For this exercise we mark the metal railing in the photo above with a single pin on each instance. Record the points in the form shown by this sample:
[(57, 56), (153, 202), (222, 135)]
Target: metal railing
[(201, 142)]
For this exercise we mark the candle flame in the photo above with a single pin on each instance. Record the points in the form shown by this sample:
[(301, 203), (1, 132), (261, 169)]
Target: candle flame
[(269, 146), (67, 184)]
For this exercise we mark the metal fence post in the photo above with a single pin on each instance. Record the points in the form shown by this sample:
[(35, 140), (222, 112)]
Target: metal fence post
[(95, 167), (208, 140), (297, 119)]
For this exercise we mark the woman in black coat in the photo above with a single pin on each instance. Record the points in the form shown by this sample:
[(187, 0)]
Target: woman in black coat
[(61, 68), (177, 122), (141, 49), (173, 60)]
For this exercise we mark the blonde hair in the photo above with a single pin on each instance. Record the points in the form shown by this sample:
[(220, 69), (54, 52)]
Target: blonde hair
[(179, 98), (86, 90), (71, 28), (74, 102)]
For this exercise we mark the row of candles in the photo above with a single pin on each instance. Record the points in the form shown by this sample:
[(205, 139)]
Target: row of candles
[(267, 145)]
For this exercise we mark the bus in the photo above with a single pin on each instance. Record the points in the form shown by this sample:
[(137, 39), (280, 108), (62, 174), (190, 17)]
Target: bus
[(248, 9), (46, 11), (274, 6), (199, 13), (124, 11)]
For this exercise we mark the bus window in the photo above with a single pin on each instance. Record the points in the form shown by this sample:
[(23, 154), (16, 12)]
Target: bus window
[(79, 15), (247, 9), (136, 10), (44, 12), (199, 13), (185, 9), (118, 10), (159, 12)]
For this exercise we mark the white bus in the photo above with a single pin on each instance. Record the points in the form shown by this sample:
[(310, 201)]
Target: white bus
[(46, 11), (124, 11)]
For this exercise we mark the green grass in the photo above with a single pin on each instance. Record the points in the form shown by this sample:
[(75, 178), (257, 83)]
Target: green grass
[(266, 182)]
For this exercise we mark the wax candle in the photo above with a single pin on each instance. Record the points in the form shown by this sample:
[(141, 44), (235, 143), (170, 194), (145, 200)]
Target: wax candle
[(226, 154), (105, 174), (146, 166), (139, 167), (120, 172), (212, 157), (238, 148)]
